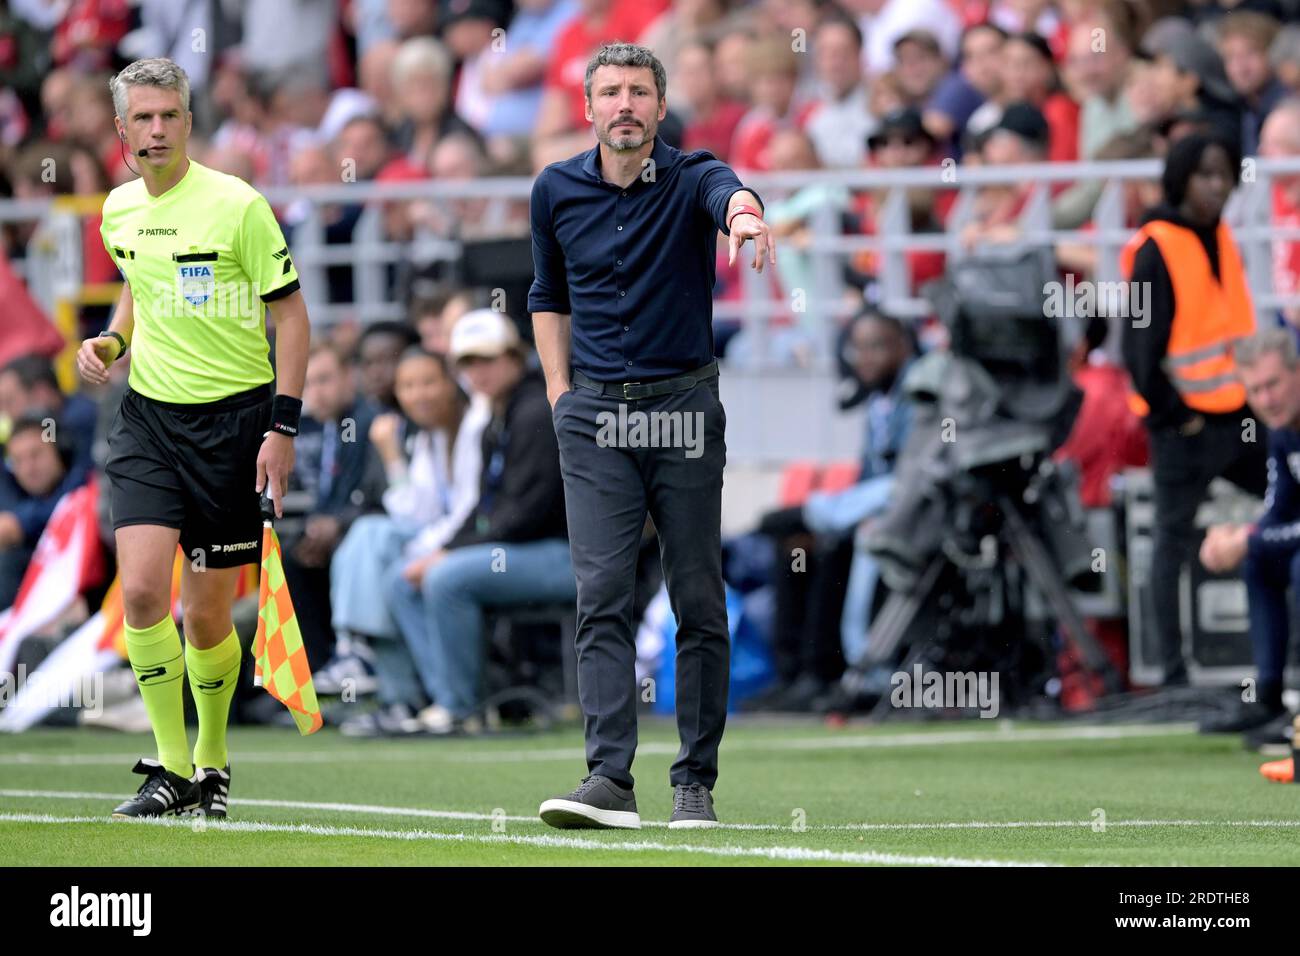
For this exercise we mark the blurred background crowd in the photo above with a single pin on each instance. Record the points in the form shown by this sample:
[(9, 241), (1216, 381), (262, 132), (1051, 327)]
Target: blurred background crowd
[(312, 93), (297, 93)]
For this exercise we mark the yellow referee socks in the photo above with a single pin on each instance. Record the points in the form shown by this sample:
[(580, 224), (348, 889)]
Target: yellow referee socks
[(214, 674), (156, 658)]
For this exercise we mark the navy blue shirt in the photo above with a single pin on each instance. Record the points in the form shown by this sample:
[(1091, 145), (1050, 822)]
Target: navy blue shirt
[(633, 266), (1277, 532)]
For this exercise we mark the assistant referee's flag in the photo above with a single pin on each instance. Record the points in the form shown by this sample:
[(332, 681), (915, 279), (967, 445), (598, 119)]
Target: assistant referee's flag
[(281, 660)]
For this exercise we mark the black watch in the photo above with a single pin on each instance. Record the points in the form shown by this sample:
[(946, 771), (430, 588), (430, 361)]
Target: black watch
[(121, 342)]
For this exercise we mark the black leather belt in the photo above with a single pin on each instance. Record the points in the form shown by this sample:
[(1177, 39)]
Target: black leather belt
[(632, 390)]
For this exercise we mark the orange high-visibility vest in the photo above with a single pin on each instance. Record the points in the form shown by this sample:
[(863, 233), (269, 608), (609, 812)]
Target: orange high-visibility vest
[(1210, 315)]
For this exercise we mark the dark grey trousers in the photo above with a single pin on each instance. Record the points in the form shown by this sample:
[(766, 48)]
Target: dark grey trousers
[(613, 477)]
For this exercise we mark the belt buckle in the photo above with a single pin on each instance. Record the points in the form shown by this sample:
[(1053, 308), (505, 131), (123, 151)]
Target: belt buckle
[(626, 386)]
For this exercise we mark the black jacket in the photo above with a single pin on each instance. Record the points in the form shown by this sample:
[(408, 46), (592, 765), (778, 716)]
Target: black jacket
[(1145, 348), (521, 494)]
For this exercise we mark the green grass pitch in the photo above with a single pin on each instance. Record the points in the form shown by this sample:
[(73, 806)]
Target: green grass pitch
[(975, 792)]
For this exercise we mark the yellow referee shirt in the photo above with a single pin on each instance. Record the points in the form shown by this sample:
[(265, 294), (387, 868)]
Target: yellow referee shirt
[(202, 260)]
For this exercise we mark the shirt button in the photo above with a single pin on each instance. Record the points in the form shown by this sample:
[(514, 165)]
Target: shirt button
[(625, 328), (620, 228), (629, 361), (622, 293), (625, 192), (618, 262)]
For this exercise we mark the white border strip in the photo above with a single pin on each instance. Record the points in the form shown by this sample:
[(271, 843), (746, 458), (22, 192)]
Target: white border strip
[(775, 853), (420, 812), (1005, 733)]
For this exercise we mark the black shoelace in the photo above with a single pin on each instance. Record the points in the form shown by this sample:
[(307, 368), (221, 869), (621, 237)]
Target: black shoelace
[(690, 799), (155, 783)]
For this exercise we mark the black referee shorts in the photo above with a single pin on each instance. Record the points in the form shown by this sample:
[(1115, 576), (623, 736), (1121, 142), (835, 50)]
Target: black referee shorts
[(192, 467)]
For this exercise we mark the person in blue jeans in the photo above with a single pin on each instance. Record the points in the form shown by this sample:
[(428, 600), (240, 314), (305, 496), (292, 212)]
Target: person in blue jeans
[(1267, 551), (431, 455), (511, 550)]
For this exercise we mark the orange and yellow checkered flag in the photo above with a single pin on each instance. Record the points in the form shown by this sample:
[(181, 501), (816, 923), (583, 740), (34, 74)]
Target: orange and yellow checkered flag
[(277, 649)]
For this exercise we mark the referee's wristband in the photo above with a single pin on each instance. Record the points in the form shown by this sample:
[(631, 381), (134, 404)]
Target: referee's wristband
[(285, 414)]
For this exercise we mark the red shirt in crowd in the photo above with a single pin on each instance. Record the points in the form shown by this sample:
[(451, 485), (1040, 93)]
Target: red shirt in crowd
[(1062, 115), (89, 33), (1107, 437), (715, 131), (755, 132), (567, 71), (1286, 252)]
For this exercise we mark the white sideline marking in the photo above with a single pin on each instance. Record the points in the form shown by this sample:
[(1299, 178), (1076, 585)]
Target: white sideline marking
[(379, 810), (1006, 734), (793, 854), (364, 808)]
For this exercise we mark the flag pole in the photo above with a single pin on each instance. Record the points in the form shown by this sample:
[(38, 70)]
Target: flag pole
[(281, 666), (268, 512)]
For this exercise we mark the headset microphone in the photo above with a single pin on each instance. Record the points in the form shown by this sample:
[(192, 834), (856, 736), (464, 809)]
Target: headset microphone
[(142, 153)]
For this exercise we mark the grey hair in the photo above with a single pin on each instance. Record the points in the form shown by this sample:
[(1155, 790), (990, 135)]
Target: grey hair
[(421, 55), (626, 54), (159, 71), (1281, 341)]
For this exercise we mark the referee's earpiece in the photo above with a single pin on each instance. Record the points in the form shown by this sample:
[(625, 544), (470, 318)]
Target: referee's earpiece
[(121, 135)]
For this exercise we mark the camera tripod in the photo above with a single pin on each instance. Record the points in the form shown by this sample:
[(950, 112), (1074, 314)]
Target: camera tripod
[(894, 626)]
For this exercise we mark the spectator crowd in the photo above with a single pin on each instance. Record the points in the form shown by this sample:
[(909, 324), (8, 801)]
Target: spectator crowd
[(428, 439)]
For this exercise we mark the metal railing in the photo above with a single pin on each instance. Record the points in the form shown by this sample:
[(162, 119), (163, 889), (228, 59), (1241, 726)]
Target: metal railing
[(1249, 212), (758, 312)]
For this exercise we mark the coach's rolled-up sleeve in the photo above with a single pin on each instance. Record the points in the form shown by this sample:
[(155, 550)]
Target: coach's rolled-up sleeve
[(550, 289), (263, 253), (717, 184)]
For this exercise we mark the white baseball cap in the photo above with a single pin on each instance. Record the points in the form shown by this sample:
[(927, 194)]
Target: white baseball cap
[(483, 333)]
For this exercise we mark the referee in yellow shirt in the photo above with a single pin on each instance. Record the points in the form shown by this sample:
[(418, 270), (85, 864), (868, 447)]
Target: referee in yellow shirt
[(204, 426)]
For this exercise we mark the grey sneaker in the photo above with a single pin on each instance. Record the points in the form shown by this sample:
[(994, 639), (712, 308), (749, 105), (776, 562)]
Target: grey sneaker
[(598, 804), (692, 808)]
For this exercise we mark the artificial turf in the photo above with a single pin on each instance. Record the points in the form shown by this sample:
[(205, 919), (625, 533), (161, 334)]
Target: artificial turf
[(899, 793)]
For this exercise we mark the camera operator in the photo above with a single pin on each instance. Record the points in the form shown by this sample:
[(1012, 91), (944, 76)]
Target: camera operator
[(1191, 302)]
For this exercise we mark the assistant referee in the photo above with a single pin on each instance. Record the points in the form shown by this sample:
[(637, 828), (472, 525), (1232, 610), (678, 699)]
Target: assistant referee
[(203, 427), (624, 239)]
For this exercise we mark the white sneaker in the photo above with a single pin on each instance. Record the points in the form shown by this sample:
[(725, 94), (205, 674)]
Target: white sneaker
[(334, 677), (436, 719), (395, 720)]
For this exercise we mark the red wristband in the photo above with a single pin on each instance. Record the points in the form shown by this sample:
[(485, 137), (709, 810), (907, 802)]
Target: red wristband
[(740, 210)]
